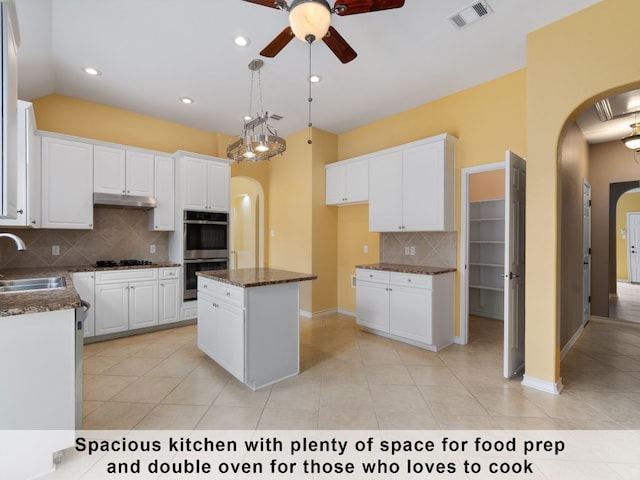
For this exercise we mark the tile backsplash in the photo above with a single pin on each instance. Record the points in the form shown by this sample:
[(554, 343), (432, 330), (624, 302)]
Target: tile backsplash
[(118, 234), (432, 249)]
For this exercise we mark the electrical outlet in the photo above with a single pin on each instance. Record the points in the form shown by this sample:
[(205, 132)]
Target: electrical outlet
[(55, 249), (365, 249), (152, 249), (406, 250), (412, 250)]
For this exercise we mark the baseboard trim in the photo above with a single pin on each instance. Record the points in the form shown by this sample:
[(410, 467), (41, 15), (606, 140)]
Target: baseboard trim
[(346, 312), (571, 342), (543, 385)]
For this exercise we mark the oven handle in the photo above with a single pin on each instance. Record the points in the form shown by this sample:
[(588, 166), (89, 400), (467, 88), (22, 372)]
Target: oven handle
[(206, 260), (204, 222)]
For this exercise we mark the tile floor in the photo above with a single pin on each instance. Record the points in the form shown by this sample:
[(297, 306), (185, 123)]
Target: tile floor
[(627, 305), (351, 379)]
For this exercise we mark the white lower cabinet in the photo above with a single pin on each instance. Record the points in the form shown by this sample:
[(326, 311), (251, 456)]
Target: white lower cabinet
[(221, 325), (417, 309), (252, 332), (126, 300), (169, 295)]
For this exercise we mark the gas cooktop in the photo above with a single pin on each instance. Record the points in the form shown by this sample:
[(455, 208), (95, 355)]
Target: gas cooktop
[(121, 263)]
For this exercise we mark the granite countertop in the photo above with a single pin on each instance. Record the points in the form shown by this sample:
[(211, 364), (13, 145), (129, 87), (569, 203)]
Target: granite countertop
[(417, 269), (255, 277), (54, 299), (38, 301)]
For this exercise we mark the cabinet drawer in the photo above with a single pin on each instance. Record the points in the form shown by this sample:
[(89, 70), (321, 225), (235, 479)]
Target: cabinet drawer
[(411, 280), (378, 276), (169, 273), (133, 275), (231, 294), (209, 287)]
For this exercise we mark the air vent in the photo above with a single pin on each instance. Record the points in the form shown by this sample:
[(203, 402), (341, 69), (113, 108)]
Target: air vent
[(470, 14), (276, 117)]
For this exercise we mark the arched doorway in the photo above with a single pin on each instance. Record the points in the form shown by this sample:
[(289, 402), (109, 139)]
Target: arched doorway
[(246, 235)]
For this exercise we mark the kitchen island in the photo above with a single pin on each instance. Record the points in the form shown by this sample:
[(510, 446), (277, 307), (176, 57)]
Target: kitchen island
[(248, 322)]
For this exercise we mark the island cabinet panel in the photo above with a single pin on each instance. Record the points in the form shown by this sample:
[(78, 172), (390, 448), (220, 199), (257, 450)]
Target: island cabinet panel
[(252, 332)]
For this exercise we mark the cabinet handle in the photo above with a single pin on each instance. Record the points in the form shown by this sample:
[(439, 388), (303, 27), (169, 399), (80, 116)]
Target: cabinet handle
[(228, 294), (20, 211)]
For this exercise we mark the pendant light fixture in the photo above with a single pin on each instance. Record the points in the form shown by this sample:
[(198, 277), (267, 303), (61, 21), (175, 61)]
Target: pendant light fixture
[(633, 140), (259, 140)]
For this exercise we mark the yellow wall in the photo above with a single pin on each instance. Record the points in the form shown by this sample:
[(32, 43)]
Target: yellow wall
[(488, 120), (629, 202), (570, 64), (486, 185), (71, 116)]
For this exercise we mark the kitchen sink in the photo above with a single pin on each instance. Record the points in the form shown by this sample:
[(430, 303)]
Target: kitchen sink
[(32, 284)]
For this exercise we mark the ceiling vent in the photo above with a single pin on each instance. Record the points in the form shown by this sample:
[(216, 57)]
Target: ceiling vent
[(470, 14), (275, 116)]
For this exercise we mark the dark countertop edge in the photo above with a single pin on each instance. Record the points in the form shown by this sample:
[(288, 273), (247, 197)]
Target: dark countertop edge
[(51, 300), (400, 268), (218, 275)]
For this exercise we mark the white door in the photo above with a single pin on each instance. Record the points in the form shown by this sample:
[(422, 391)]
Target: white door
[(633, 241), (515, 176), (586, 252)]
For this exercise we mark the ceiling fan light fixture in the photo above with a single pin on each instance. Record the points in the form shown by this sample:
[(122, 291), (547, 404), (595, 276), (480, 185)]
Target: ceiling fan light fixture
[(633, 140), (310, 19)]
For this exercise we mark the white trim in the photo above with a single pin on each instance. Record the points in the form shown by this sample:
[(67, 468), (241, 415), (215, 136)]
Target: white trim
[(346, 312), (465, 173), (571, 342), (305, 314), (543, 385)]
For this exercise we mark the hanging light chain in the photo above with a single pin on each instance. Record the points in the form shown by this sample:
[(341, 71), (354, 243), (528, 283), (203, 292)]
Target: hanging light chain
[(310, 99)]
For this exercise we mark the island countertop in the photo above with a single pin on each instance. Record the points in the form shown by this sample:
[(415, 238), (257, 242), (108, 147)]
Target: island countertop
[(256, 277)]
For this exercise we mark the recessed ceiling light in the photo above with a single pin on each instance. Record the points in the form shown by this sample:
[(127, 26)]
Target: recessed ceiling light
[(315, 78), (187, 100), (241, 41), (91, 71)]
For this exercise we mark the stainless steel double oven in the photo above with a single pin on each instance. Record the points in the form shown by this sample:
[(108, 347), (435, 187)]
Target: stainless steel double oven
[(206, 246)]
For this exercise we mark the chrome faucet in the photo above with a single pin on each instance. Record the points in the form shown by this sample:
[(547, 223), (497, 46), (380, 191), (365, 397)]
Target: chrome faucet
[(19, 242)]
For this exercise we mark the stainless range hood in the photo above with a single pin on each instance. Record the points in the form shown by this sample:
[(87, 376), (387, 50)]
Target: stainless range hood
[(124, 201)]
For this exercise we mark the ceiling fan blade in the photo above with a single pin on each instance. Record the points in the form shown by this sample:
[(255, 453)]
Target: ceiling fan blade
[(278, 43), (351, 7), (268, 3), (339, 46)]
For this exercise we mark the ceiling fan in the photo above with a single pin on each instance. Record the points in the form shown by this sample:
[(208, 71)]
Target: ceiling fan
[(310, 21)]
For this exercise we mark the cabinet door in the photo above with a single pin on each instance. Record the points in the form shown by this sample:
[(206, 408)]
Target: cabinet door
[(84, 283), (410, 313), (140, 166), (196, 183), (423, 185), (385, 192), (143, 304), (162, 217), (335, 184), (357, 181), (169, 301), (109, 173), (9, 129), (372, 305), (24, 146), (218, 192), (230, 346), (67, 184), (112, 308), (207, 335)]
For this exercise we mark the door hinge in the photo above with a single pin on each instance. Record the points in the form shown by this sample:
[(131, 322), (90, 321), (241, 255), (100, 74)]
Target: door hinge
[(589, 298), (589, 202)]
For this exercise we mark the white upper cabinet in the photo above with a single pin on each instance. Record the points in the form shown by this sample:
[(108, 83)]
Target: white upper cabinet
[(123, 172), (67, 184), (9, 130), (206, 184), (347, 182), (28, 163), (162, 217), (411, 187)]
